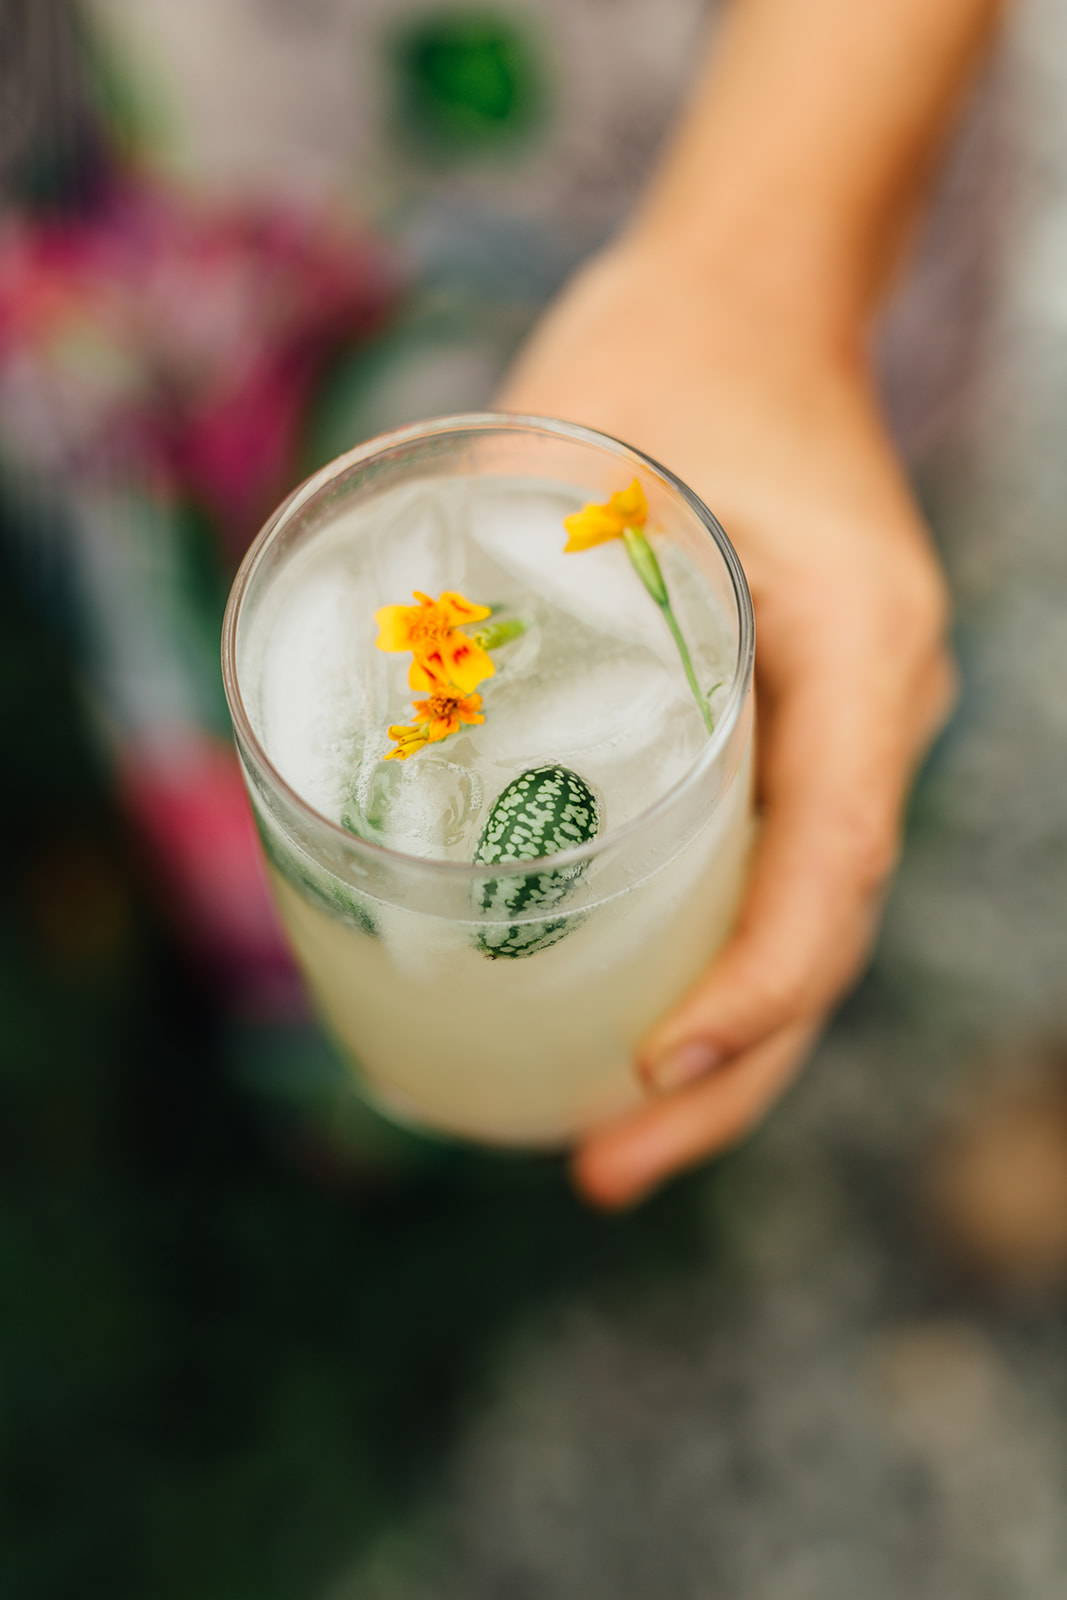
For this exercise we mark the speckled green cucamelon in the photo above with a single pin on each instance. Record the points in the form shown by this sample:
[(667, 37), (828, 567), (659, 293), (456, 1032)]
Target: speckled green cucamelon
[(540, 813)]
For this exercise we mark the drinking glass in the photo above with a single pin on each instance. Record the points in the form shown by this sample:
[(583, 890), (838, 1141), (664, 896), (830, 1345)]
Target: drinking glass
[(528, 1052)]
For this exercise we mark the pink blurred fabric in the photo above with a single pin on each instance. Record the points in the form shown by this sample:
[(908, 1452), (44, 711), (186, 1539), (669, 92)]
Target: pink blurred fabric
[(166, 348), (183, 340)]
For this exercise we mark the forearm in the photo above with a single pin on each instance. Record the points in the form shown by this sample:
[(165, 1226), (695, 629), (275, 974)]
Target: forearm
[(809, 145)]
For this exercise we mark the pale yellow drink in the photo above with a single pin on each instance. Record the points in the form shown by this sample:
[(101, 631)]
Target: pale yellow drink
[(550, 1053), (386, 925)]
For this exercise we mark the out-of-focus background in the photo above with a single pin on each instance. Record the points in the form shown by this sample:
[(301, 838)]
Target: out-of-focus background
[(255, 1343)]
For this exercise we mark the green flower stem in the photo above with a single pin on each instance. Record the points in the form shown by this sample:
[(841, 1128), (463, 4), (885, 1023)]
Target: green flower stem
[(687, 662), (494, 634), (645, 564)]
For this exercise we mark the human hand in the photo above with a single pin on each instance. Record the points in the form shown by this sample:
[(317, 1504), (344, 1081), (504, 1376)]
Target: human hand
[(774, 423)]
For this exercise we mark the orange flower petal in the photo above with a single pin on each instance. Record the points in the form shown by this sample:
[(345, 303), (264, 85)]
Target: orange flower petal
[(409, 741), (442, 727), (394, 627), (469, 709), (630, 505), (456, 610), (465, 663), (595, 524), (428, 674), (591, 526)]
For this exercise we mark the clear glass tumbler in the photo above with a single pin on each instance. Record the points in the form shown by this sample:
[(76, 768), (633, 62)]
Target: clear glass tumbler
[(525, 1053)]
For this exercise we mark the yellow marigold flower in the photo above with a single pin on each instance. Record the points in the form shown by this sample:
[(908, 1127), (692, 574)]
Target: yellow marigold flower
[(435, 719), (596, 524), (624, 518), (432, 631)]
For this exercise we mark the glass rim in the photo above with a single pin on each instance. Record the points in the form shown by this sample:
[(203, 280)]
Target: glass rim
[(474, 422)]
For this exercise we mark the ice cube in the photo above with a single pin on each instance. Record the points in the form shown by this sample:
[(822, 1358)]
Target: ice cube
[(313, 689), (520, 528), (621, 720), (425, 806), (325, 691), (418, 535)]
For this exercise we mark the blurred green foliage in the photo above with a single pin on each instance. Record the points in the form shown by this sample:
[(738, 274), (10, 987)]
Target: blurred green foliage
[(465, 80)]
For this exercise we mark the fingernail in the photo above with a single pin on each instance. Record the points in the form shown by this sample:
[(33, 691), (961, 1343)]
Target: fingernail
[(685, 1063)]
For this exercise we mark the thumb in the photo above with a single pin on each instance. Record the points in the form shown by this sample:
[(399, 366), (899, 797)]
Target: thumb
[(828, 845)]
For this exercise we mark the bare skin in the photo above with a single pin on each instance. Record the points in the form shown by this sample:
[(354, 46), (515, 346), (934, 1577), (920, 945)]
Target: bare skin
[(737, 355)]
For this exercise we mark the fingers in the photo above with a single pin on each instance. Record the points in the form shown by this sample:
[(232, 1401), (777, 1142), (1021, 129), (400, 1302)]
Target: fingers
[(834, 772), (623, 1162), (826, 848)]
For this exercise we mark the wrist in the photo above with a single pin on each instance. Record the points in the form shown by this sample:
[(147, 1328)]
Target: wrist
[(803, 297)]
